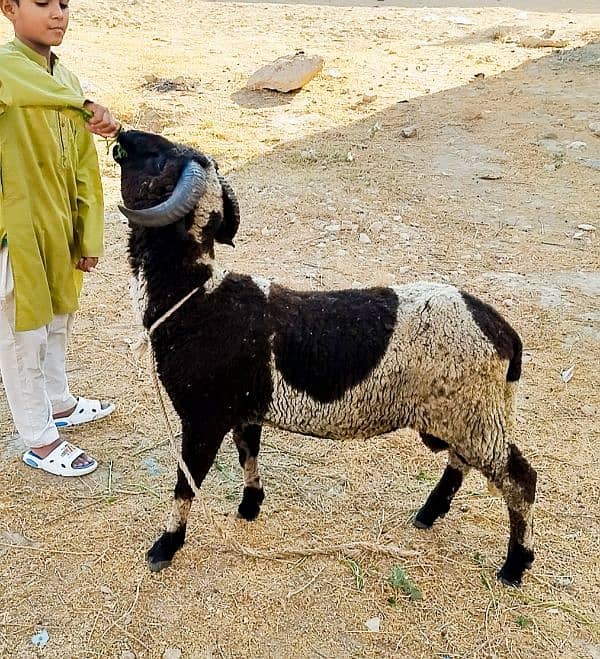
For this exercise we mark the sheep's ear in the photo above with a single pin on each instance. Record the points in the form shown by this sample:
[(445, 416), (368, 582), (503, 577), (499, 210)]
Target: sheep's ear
[(231, 215)]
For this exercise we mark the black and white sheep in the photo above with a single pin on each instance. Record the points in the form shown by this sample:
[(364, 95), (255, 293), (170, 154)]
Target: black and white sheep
[(242, 352)]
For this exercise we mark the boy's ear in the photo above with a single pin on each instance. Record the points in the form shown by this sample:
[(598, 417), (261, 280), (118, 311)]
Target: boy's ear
[(9, 8), (231, 215)]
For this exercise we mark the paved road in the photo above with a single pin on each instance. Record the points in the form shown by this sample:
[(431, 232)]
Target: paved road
[(558, 6)]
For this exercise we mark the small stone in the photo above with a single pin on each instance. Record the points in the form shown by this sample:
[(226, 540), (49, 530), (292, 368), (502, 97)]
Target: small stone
[(586, 227), (563, 581), (578, 145), (588, 410), (509, 302), (333, 228), (126, 654), (368, 98), (595, 128), (172, 653), (363, 238), (357, 284), (539, 42), (409, 131), (593, 163), (373, 624)]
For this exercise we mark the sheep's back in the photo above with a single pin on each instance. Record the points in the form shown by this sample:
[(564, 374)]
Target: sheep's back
[(424, 362)]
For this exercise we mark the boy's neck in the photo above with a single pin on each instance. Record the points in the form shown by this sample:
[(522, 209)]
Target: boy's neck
[(40, 49)]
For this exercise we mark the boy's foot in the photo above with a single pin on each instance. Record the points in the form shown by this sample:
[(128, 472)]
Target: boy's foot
[(86, 410), (60, 458)]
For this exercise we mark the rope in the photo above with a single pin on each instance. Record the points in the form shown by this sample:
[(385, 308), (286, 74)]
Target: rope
[(144, 344)]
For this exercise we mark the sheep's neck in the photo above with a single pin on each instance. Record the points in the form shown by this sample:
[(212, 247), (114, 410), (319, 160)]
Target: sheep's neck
[(167, 277)]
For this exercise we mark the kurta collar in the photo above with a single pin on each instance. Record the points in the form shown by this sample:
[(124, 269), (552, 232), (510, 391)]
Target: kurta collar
[(36, 57)]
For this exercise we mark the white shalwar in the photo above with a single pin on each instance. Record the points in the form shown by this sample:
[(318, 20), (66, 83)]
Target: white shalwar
[(33, 367)]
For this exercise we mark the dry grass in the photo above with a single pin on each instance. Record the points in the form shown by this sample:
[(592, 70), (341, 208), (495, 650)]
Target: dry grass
[(305, 577)]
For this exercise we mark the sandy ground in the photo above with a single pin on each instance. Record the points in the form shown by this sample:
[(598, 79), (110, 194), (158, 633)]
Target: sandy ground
[(489, 194)]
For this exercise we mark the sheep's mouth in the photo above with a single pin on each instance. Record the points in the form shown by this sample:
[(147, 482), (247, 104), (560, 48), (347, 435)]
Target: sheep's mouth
[(119, 153), (184, 198)]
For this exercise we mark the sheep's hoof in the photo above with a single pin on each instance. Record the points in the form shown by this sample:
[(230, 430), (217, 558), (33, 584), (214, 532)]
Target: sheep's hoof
[(421, 525), (508, 582), (517, 561), (157, 566), (249, 508)]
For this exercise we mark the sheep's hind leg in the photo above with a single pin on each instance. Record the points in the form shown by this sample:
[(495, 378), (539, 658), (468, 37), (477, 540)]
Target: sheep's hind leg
[(438, 502), (247, 440), (518, 484), (198, 456)]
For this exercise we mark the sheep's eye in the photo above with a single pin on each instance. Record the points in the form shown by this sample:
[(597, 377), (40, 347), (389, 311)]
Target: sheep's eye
[(159, 164)]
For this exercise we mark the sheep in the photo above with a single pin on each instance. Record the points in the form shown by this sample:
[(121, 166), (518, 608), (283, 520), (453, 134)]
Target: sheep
[(235, 352)]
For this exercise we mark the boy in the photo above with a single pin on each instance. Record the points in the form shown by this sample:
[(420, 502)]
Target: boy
[(51, 230)]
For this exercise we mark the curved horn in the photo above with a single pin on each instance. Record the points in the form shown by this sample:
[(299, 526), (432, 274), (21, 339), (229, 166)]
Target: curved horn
[(190, 187)]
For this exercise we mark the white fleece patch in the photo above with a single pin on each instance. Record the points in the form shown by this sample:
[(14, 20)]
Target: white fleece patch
[(139, 296), (211, 201), (439, 375)]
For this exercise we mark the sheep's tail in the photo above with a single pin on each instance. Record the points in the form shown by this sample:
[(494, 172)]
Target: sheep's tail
[(516, 359)]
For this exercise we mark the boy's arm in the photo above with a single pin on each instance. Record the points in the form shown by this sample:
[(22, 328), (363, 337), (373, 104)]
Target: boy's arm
[(89, 226), (24, 84)]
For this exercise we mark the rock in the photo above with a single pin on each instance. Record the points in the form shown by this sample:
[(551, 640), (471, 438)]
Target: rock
[(373, 624), (287, 73), (578, 145), (595, 128), (459, 19), (563, 581), (333, 228), (363, 238), (126, 654), (586, 227), (369, 98), (172, 653), (409, 131), (540, 42), (593, 163)]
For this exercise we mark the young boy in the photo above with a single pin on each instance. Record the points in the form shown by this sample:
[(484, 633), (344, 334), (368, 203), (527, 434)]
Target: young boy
[(51, 230)]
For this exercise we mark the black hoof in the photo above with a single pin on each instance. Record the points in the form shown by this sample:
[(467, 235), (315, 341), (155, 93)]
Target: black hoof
[(517, 561), (249, 508), (425, 518), (420, 524), (156, 566), (161, 553)]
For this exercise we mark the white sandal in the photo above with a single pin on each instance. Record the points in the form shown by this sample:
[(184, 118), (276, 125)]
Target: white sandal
[(60, 461), (86, 410)]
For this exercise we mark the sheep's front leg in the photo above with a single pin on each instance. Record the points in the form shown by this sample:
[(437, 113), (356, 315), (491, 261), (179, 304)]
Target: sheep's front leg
[(438, 502), (247, 440), (198, 452)]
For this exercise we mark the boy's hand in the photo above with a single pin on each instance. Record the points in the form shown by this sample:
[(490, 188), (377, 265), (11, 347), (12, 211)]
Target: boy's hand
[(87, 263), (102, 122)]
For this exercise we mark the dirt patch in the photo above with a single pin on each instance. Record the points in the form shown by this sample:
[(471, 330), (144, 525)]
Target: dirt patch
[(489, 195)]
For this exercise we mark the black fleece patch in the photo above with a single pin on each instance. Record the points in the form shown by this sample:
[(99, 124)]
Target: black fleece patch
[(325, 343), (502, 336)]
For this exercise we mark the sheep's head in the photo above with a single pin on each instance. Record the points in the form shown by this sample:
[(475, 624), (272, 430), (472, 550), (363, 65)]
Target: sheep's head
[(164, 183)]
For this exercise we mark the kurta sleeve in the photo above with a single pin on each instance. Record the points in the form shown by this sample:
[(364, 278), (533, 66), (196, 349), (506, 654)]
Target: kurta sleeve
[(89, 226), (25, 84)]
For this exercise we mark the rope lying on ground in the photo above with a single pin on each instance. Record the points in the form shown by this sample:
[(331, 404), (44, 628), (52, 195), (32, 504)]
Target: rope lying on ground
[(234, 546)]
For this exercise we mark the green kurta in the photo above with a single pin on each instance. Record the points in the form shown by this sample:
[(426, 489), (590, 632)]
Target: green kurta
[(51, 208)]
